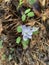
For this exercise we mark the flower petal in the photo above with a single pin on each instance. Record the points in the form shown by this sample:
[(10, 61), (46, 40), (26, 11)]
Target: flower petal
[(25, 38), (23, 26), (24, 29), (30, 32), (29, 36), (34, 29)]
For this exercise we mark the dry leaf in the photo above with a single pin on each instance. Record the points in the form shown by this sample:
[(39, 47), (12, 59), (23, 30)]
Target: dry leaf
[(31, 22)]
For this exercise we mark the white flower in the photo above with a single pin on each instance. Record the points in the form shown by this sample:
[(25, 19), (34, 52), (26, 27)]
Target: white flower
[(28, 31)]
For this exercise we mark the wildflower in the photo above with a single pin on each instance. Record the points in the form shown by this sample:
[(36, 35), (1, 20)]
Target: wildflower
[(28, 31)]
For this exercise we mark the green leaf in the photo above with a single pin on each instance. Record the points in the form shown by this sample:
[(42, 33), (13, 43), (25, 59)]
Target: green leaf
[(23, 17), (24, 46), (19, 29), (25, 43), (1, 46), (20, 0), (18, 40), (30, 14), (27, 11), (20, 4), (36, 32), (31, 1)]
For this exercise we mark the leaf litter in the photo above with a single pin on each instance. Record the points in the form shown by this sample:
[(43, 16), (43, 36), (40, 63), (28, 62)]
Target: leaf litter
[(37, 49)]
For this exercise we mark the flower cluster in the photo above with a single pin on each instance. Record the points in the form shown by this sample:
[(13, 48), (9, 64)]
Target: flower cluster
[(27, 31)]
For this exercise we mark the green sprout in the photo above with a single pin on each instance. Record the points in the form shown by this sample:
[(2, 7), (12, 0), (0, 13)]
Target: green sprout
[(18, 40), (25, 43), (28, 13), (20, 4), (27, 33), (23, 17), (19, 29)]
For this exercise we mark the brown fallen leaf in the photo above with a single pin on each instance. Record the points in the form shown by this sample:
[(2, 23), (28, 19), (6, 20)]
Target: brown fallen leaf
[(31, 22)]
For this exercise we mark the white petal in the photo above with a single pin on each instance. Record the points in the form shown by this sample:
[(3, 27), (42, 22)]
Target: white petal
[(30, 32), (34, 29), (25, 38), (29, 36)]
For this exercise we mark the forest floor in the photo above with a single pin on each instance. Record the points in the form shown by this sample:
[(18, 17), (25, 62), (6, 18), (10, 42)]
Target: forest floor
[(37, 50)]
